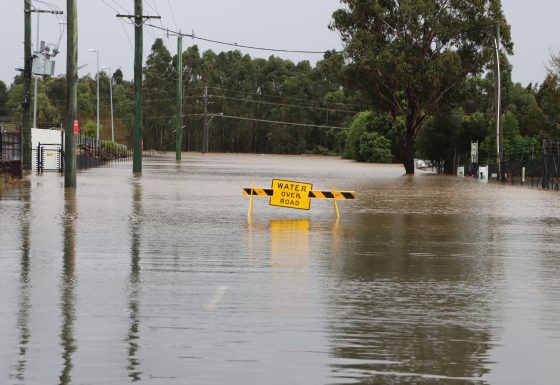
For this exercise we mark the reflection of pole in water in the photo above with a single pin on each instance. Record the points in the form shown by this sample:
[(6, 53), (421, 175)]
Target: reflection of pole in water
[(68, 285), (134, 295), (24, 285)]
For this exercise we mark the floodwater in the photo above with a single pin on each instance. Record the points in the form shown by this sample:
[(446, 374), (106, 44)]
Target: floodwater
[(164, 279)]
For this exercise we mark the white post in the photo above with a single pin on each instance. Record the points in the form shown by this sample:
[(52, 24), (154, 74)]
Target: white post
[(111, 101), (111, 97), (523, 175), (97, 76)]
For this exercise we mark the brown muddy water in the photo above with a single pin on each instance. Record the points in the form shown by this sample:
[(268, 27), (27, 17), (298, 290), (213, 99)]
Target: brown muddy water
[(162, 279)]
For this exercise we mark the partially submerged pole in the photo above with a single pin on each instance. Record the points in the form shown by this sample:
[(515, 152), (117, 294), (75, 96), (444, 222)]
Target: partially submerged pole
[(71, 115)]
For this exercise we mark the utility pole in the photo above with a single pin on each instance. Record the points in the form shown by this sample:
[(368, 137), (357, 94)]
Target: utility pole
[(205, 128), (71, 95), (138, 55), (36, 79), (26, 100), (498, 103), (179, 131)]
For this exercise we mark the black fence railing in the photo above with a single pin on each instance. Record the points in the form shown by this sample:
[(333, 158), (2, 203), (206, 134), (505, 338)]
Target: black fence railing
[(50, 156), (10, 153), (91, 152), (538, 169)]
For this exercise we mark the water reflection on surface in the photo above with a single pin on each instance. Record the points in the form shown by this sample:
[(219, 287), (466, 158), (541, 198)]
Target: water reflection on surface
[(24, 302), (68, 284), (412, 305), (162, 279), (135, 284)]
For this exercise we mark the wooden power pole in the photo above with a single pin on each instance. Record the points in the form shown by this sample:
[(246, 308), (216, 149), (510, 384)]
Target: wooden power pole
[(138, 56), (71, 115), (26, 100), (205, 132), (179, 131)]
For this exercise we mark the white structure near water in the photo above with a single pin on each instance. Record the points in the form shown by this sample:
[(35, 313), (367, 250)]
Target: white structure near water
[(50, 141)]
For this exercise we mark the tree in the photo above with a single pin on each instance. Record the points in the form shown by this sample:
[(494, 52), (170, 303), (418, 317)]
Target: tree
[(439, 139), (159, 100), (56, 91), (47, 113), (3, 98), (118, 77), (549, 97), (13, 101), (364, 123), (123, 104), (409, 55), (532, 120), (375, 148)]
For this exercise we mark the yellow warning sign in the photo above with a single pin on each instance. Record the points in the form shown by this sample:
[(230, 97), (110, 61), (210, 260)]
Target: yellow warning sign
[(291, 194)]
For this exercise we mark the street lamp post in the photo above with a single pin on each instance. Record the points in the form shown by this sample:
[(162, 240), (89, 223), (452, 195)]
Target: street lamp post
[(498, 103), (97, 76), (111, 100)]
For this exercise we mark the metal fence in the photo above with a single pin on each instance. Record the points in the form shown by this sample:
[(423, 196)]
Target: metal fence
[(93, 153), (50, 157), (10, 153), (541, 170)]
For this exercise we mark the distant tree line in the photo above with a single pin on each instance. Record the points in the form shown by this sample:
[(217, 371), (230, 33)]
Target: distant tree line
[(405, 87), (249, 98)]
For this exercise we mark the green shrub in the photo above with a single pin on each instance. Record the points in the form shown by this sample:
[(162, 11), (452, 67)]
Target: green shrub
[(368, 122), (375, 148)]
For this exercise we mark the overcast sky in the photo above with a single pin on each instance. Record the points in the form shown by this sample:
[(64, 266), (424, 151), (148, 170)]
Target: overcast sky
[(286, 24)]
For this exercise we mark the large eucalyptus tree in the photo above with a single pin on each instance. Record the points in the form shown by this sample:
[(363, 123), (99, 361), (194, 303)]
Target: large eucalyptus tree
[(410, 55)]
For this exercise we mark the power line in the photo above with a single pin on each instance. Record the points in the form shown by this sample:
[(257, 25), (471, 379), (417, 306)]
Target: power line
[(172, 14), (308, 125), (150, 6), (172, 94), (61, 18), (193, 36), (280, 122), (283, 97), (152, 30), (110, 6), (126, 34), (172, 97), (120, 6), (121, 20), (285, 105)]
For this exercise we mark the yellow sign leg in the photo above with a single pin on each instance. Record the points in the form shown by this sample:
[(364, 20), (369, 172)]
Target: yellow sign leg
[(335, 204), (250, 211)]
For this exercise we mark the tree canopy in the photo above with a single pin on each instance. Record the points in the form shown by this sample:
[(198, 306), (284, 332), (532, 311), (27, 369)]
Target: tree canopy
[(408, 56)]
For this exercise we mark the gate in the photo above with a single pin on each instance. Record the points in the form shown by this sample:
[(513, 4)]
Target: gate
[(49, 157)]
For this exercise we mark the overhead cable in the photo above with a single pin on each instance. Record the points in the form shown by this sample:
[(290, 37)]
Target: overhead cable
[(193, 36)]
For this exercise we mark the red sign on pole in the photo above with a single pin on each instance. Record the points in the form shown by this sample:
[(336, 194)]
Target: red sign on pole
[(76, 127)]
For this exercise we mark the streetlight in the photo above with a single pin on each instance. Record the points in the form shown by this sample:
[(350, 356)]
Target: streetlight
[(97, 76), (111, 98), (498, 103)]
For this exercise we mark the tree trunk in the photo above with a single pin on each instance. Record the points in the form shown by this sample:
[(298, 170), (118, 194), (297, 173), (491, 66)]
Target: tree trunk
[(407, 148), (408, 157)]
